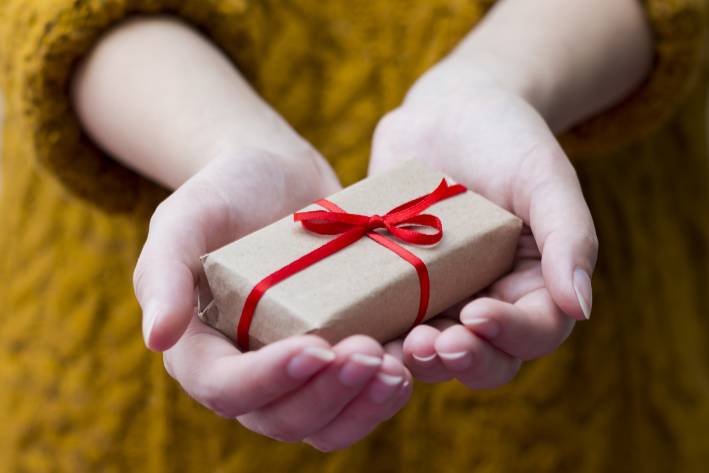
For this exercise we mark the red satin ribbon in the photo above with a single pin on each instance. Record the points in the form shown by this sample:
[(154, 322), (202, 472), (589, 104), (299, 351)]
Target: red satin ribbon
[(405, 222)]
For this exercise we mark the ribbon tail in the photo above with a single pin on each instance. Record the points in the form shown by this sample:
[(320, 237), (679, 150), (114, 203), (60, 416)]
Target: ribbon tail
[(419, 266), (305, 261)]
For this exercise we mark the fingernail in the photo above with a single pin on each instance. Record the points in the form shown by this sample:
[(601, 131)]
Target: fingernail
[(150, 316), (584, 293), (456, 361), (309, 361), (358, 369), (453, 356), (366, 360), (424, 358), (384, 388), (488, 328)]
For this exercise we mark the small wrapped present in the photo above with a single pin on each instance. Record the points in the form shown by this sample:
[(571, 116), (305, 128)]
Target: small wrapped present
[(376, 258)]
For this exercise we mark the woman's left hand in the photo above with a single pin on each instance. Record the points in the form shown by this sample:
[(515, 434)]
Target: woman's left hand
[(493, 141)]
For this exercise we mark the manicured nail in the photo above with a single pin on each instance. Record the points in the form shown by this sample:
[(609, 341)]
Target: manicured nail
[(366, 360), (487, 328), (584, 293), (424, 358), (358, 369), (457, 361), (453, 356), (150, 316), (384, 387), (309, 361)]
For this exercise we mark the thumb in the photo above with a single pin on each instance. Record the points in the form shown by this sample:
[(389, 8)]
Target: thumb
[(166, 273), (552, 203), (231, 196)]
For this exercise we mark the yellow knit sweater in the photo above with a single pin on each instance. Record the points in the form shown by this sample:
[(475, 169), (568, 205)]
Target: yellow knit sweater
[(78, 392)]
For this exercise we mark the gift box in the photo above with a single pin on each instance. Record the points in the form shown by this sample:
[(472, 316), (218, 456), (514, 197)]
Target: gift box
[(376, 258)]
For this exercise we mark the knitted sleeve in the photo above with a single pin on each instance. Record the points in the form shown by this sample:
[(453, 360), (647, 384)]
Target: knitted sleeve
[(40, 44), (42, 41), (678, 28)]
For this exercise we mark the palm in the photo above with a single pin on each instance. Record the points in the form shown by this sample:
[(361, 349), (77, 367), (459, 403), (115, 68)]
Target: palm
[(500, 147), (300, 388)]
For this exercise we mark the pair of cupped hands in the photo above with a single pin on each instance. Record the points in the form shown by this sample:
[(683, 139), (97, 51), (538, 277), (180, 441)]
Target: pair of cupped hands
[(330, 396)]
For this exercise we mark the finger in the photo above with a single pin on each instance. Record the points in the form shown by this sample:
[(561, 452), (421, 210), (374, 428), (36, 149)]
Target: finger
[(219, 204), (385, 395), (181, 230), (443, 323), (532, 327), (549, 198), (449, 317), (216, 374), (387, 153), (395, 348), (526, 246), (420, 355), (525, 277), (475, 363), (316, 404)]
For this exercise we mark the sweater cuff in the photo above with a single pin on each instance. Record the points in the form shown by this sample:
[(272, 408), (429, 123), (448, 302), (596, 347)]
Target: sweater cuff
[(66, 32), (678, 28)]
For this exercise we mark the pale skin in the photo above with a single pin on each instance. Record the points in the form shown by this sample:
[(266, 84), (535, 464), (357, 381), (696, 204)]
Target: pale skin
[(485, 115)]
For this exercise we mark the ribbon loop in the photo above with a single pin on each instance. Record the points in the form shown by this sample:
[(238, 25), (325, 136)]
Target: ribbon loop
[(396, 221)]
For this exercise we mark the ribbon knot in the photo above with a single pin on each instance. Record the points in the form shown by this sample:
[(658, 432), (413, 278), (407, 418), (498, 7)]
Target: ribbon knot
[(406, 222), (376, 221)]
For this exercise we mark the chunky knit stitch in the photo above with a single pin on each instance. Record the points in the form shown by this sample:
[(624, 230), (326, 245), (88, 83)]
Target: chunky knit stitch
[(78, 391)]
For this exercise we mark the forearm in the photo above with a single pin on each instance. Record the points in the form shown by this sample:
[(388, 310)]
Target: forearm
[(164, 101), (568, 58)]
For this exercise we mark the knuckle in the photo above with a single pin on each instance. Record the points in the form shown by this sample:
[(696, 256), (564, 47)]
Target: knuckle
[(139, 277), (210, 392), (539, 350), (140, 270), (159, 214), (382, 413), (586, 237), (503, 377), (387, 124), (591, 240), (394, 132), (560, 328), (365, 343), (563, 329), (324, 445), (168, 364), (546, 348), (509, 374), (492, 376), (557, 330), (142, 281), (552, 159), (266, 386), (256, 422), (284, 429)]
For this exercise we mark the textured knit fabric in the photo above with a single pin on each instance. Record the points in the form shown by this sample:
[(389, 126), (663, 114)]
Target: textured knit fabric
[(78, 391)]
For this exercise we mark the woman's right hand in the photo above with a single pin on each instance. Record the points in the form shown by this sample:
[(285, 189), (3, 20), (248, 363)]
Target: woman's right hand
[(297, 389)]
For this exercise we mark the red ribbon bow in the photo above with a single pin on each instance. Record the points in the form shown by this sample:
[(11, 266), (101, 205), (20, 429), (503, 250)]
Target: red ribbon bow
[(405, 222)]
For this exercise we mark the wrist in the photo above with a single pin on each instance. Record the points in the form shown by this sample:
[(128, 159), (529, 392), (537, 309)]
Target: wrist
[(475, 71), (479, 71), (556, 56)]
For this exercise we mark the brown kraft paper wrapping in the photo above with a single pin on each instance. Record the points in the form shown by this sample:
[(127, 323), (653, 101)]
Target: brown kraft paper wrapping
[(364, 288)]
